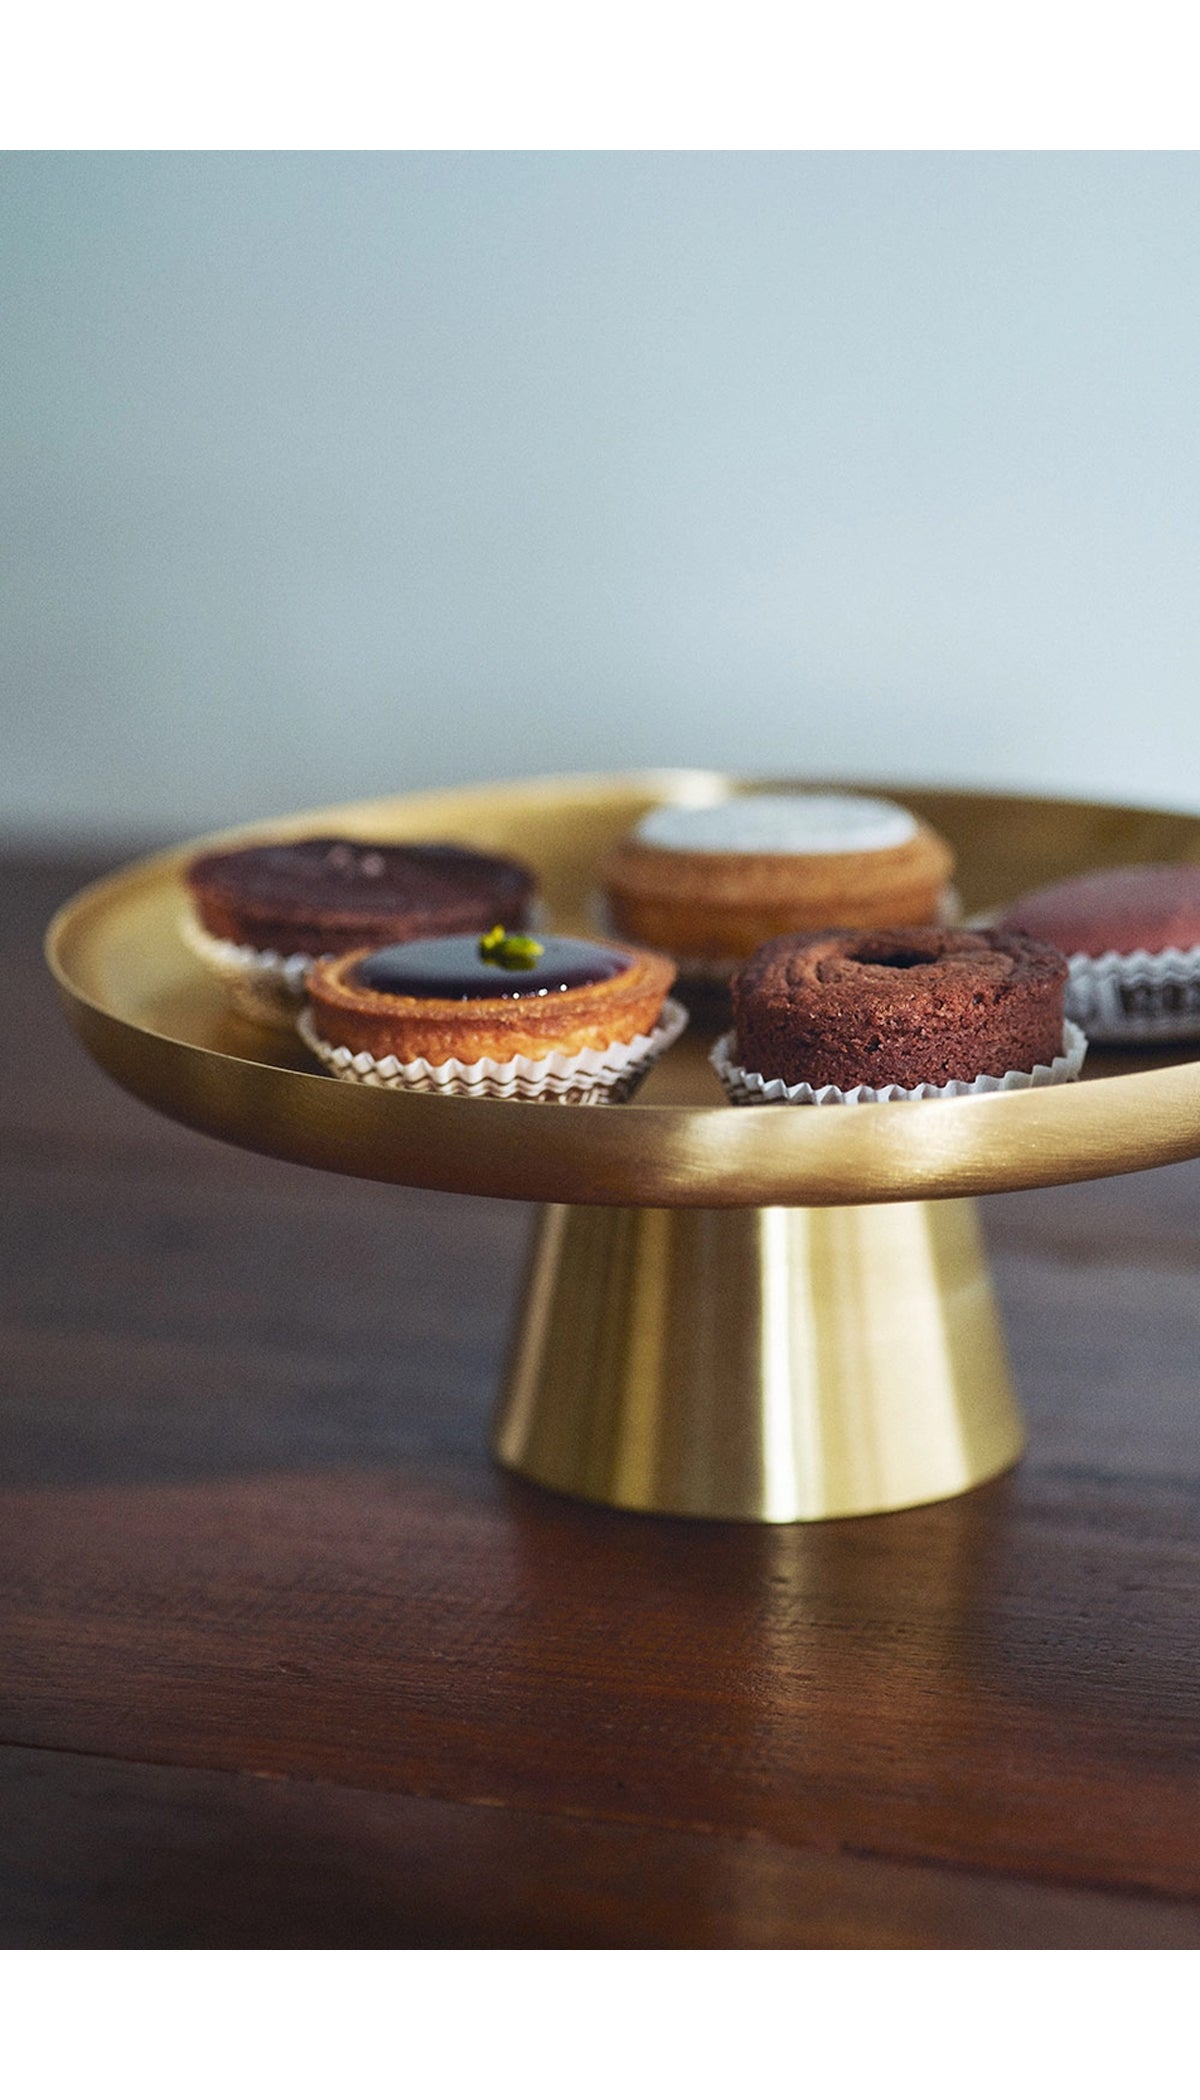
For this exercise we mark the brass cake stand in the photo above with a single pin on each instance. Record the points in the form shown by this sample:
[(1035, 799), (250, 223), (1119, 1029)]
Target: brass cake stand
[(763, 1313)]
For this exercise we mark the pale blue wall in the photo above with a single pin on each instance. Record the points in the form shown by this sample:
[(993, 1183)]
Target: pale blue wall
[(328, 474)]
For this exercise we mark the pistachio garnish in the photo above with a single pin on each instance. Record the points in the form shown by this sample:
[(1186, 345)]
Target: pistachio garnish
[(509, 951)]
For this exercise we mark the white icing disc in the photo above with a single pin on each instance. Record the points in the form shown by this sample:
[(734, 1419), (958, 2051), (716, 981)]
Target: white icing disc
[(780, 824)]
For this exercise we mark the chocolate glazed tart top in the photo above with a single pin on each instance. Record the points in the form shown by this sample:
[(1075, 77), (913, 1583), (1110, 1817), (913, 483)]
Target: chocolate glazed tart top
[(324, 895), (453, 968), (617, 994), (906, 1006)]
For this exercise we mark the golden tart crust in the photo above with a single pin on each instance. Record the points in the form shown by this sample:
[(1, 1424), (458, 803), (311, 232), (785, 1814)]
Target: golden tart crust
[(589, 1017), (724, 905)]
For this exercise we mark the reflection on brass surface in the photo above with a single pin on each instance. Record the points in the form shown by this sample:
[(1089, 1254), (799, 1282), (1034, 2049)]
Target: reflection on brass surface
[(714, 1334), (768, 1364)]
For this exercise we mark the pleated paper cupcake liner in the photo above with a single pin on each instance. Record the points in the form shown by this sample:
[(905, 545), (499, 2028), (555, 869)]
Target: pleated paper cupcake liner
[(751, 1090), (585, 1077), (1136, 998), (262, 985)]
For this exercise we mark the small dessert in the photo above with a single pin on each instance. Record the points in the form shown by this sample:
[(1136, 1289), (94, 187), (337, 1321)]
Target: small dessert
[(902, 1009), (1132, 941), (551, 1018), (327, 895), (261, 914), (711, 884)]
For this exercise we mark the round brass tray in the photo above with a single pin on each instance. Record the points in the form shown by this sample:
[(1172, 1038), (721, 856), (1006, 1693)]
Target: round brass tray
[(158, 1024), (731, 1312)]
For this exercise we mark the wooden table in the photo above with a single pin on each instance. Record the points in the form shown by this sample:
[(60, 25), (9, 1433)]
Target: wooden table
[(284, 1661)]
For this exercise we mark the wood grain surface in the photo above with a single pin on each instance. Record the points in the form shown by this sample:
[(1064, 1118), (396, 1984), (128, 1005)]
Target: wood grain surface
[(284, 1660)]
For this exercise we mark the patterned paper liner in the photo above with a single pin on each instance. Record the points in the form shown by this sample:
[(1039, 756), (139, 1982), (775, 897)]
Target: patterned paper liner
[(1136, 998), (717, 971), (587, 1076), (261, 984), (751, 1090)]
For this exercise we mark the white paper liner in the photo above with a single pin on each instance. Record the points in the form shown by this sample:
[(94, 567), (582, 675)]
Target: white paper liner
[(261, 984), (1136, 998), (717, 971), (584, 1077), (751, 1090)]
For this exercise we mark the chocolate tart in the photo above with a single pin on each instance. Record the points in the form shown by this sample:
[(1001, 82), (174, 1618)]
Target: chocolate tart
[(902, 1007), (711, 884), (321, 896), (440, 1000)]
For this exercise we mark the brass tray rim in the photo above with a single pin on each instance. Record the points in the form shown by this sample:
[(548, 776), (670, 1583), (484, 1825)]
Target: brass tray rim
[(698, 1155)]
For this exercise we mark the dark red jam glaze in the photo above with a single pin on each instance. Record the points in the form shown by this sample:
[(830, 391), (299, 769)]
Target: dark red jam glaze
[(1155, 905), (452, 968)]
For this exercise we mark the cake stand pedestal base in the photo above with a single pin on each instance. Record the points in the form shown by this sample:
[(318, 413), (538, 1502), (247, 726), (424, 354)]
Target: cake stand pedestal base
[(772, 1365)]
